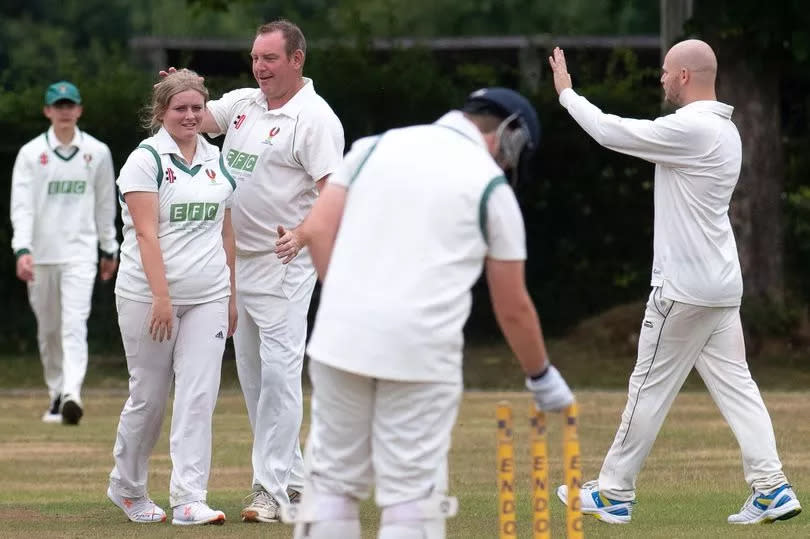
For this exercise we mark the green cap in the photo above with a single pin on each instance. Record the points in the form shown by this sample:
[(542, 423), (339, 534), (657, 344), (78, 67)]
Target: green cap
[(62, 90)]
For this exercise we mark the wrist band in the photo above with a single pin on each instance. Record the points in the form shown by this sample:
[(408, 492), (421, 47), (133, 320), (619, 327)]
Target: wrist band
[(539, 375)]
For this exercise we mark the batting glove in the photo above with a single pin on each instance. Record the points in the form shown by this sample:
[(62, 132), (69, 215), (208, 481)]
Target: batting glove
[(550, 391)]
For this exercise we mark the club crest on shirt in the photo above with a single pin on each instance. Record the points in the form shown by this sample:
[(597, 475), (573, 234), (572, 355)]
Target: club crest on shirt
[(43, 159), (273, 132), (170, 175), (212, 175), (87, 159), (237, 123)]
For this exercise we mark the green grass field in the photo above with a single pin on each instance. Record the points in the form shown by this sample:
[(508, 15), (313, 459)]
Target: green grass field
[(53, 478)]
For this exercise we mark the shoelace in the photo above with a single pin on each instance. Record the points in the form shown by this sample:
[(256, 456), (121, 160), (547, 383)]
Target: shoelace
[(260, 498), (593, 484), (749, 501), (190, 510), (142, 507), (748, 509)]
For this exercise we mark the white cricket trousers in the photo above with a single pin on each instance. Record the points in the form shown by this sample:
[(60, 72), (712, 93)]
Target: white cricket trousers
[(393, 434), (674, 338), (192, 358), (60, 297), (273, 301)]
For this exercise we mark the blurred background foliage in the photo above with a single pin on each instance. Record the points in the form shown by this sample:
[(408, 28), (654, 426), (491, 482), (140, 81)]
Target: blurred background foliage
[(588, 211)]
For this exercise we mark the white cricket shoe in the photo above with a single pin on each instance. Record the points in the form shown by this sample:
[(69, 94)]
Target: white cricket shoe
[(781, 504), (52, 414), (261, 507), (142, 510), (194, 513), (593, 503)]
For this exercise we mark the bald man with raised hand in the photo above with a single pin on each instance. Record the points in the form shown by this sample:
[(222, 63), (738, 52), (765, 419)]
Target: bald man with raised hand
[(692, 318)]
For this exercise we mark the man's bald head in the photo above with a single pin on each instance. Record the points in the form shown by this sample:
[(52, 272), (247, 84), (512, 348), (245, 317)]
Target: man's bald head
[(689, 72)]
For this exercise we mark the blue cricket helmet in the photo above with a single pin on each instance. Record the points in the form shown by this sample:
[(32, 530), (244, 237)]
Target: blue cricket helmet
[(504, 103), (517, 146)]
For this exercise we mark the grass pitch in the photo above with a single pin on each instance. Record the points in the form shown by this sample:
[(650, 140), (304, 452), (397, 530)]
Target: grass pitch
[(53, 478)]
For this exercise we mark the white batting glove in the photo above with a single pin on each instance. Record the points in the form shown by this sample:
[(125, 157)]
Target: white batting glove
[(551, 392)]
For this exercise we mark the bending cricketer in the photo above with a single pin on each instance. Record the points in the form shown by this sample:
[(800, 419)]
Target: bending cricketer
[(692, 318), (175, 302), (282, 141), (399, 243), (63, 213)]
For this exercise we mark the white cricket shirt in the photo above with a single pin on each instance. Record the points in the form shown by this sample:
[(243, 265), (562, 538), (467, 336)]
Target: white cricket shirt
[(192, 200), (275, 156), (63, 204), (697, 154), (425, 206)]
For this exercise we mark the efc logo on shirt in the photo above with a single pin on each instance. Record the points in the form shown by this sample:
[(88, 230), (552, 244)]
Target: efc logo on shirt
[(241, 161), (193, 211), (67, 187)]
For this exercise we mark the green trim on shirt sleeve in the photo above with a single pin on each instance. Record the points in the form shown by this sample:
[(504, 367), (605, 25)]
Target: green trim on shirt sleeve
[(19, 252), (363, 162), (224, 170), (482, 206), (159, 175)]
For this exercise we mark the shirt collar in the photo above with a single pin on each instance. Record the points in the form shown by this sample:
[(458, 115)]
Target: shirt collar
[(456, 121), (292, 107), (166, 145), (716, 107), (54, 142)]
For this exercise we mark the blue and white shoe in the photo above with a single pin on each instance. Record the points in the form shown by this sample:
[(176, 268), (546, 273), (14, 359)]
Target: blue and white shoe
[(593, 503), (781, 504)]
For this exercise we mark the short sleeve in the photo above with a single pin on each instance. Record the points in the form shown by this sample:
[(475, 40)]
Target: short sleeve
[(222, 109), (139, 173), (506, 234), (353, 163), (319, 145)]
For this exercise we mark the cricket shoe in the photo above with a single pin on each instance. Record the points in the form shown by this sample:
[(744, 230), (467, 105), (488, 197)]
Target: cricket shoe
[(195, 513), (261, 507), (142, 510), (781, 504), (52, 414), (601, 507), (71, 411)]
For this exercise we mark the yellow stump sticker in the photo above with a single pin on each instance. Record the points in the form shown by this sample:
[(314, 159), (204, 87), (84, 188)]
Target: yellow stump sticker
[(541, 518), (539, 467), (506, 472), (573, 473)]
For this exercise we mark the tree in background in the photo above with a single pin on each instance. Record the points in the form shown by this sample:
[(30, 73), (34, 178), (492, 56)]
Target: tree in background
[(587, 221), (759, 45)]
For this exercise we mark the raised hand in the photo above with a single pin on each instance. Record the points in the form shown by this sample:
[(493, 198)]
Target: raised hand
[(562, 79)]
